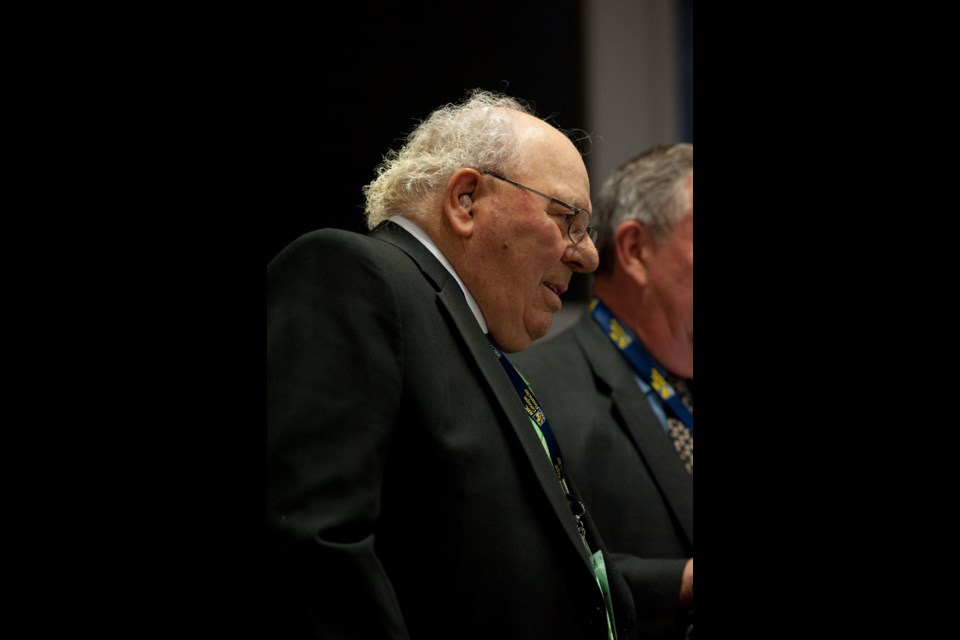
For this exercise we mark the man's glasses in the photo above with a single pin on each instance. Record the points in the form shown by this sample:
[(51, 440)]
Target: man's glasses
[(578, 222)]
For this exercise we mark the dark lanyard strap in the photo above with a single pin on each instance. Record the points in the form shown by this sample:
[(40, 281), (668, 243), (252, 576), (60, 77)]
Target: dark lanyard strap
[(641, 361), (532, 407)]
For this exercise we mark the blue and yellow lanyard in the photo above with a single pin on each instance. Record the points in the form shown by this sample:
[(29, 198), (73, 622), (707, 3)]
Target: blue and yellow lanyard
[(642, 362), (532, 407)]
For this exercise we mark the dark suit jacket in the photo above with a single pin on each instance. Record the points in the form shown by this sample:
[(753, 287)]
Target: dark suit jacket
[(407, 492), (630, 476)]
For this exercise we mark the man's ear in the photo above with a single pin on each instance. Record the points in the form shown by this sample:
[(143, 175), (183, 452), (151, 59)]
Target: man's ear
[(635, 247), (458, 201)]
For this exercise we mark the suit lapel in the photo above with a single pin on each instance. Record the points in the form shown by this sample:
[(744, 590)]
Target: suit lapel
[(506, 396), (453, 302), (639, 421)]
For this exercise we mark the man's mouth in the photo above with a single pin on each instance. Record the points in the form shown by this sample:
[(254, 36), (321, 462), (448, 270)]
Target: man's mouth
[(558, 288)]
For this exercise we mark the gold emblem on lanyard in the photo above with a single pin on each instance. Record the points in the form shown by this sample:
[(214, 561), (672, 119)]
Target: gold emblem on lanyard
[(660, 385)]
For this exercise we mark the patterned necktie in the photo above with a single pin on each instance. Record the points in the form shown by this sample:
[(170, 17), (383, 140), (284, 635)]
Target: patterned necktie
[(682, 438)]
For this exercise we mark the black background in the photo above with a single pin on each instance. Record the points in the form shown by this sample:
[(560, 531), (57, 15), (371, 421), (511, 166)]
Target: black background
[(163, 304), (346, 91)]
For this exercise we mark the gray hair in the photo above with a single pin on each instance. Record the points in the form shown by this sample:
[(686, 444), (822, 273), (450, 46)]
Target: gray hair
[(478, 132), (649, 188)]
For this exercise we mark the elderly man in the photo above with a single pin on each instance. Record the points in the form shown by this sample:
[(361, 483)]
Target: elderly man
[(414, 486)]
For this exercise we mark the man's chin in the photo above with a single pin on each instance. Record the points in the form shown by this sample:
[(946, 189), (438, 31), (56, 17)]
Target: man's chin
[(535, 333), (515, 345), (517, 341)]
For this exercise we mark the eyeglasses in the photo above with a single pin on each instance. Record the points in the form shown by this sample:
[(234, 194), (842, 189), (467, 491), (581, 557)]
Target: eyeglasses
[(578, 222)]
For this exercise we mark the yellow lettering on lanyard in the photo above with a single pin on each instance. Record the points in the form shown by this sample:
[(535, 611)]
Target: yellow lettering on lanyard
[(660, 385), (618, 334), (532, 407)]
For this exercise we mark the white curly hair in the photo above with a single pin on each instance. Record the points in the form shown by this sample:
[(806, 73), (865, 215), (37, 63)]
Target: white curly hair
[(478, 132)]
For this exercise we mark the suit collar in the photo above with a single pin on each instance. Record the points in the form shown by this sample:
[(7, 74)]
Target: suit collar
[(424, 239), (396, 235)]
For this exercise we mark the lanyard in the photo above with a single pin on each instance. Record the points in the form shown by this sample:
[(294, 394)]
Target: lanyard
[(539, 420), (641, 361), (532, 407)]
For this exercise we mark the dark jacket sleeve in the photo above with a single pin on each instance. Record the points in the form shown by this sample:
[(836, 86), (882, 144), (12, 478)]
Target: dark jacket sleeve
[(333, 386)]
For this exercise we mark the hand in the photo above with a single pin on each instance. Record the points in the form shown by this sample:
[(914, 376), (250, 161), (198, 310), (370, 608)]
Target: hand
[(686, 585)]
